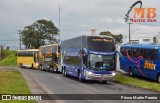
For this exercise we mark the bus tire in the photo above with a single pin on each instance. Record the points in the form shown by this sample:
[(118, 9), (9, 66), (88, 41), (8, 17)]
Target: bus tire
[(64, 72), (130, 71), (104, 82), (158, 78), (80, 77), (41, 67), (21, 65), (32, 67), (50, 69)]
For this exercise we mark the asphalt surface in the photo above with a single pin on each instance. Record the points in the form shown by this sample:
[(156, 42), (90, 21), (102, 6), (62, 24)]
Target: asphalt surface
[(58, 84)]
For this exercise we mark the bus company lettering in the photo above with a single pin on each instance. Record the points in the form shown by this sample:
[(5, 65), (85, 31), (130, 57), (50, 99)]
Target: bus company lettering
[(105, 40), (149, 65)]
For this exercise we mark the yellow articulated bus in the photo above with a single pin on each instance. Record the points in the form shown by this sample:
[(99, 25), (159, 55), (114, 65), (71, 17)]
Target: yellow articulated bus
[(28, 58), (49, 57)]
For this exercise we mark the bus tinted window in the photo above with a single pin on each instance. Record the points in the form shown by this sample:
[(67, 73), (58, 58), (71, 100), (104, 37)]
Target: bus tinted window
[(123, 51), (72, 60), (25, 53), (129, 50), (134, 52), (152, 54), (149, 54)]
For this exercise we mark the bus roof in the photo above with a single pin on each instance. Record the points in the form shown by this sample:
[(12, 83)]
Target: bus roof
[(29, 50), (145, 46), (49, 45), (88, 36)]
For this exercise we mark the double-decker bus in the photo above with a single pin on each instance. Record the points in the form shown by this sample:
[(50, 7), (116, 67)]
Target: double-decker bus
[(89, 58), (28, 58), (49, 57), (141, 59)]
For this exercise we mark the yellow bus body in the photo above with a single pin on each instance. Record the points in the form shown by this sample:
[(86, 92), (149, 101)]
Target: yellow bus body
[(26, 59)]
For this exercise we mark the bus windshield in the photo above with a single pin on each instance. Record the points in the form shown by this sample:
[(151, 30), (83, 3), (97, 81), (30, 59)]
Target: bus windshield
[(102, 62)]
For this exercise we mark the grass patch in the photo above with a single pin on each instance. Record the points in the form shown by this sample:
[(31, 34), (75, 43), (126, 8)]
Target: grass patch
[(10, 58), (133, 81), (12, 82), (5, 53)]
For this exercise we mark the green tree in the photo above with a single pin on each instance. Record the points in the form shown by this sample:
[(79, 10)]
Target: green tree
[(118, 38), (39, 33), (7, 48)]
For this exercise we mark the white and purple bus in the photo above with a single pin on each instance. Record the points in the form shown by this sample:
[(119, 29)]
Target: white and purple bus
[(89, 58)]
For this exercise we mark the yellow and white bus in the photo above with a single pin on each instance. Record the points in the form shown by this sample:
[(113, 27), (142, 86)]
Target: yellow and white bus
[(28, 58)]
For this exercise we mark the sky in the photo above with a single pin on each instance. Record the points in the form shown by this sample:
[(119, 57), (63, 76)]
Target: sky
[(77, 17)]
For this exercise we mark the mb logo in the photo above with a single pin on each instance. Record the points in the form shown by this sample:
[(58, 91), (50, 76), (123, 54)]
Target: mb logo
[(141, 14), (151, 12)]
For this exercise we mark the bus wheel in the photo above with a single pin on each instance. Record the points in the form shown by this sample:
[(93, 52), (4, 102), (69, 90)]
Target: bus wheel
[(158, 78), (21, 65), (41, 68), (130, 71), (80, 77), (32, 67), (64, 72), (104, 82)]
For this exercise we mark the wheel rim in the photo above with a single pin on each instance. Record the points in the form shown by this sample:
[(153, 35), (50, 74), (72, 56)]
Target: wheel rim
[(65, 73)]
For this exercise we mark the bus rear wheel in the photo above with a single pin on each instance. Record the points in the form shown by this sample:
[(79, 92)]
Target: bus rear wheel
[(41, 67), (32, 67), (64, 72), (104, 82), (80, 77), (21, 65), (158, 78)]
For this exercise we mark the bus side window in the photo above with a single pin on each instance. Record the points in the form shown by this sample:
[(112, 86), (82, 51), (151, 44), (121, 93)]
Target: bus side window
[(129, 50), (148, 54), (134, 52), (123, 51), (154, 55), (141, 53)]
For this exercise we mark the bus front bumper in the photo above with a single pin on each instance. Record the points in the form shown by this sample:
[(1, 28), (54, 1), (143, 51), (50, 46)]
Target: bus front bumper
[(100, 77)]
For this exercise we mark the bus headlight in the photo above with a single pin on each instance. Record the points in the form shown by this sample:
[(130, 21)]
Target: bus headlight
[(113, 74), (89, 73)]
